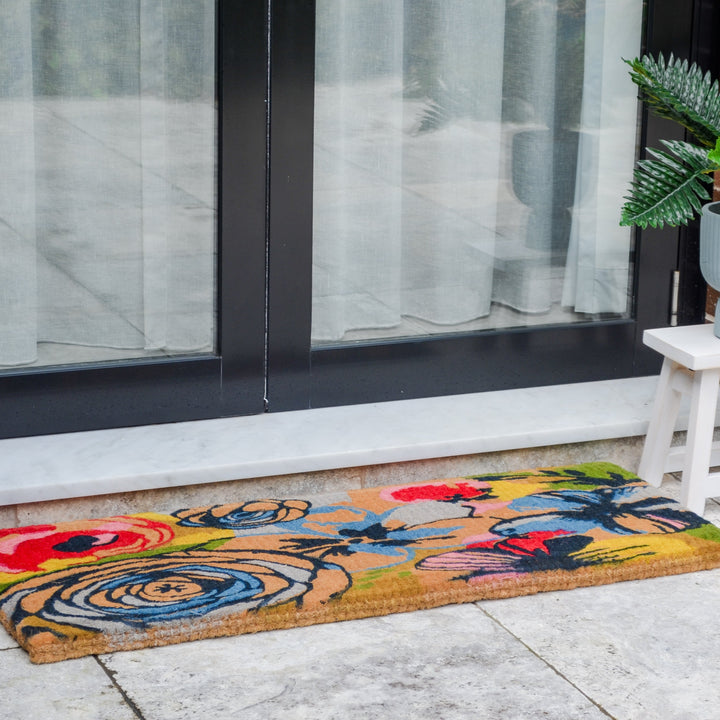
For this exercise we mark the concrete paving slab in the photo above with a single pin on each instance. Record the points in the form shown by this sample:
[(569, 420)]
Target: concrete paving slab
[(70, 690), (643, 649), (450, 663), (5, 640)]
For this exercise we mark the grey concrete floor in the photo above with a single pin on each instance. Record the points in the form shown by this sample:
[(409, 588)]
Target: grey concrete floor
[(642, 650)]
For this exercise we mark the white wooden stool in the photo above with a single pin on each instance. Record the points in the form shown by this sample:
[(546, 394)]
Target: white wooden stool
[(691, 366)]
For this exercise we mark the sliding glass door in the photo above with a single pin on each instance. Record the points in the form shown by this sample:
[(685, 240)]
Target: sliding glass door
[(212, 208), (108, 194), (468, 160), (110, 279), (470, 157)]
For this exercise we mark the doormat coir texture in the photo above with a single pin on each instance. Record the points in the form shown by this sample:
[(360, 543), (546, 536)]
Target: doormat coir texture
[(135, 581)]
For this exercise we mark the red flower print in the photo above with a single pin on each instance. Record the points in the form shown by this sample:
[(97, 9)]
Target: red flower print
[(530, 544), (27, 549), (440, 492)]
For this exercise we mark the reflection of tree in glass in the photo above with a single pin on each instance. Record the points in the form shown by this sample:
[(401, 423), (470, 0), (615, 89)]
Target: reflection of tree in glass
[(529, 25), (92, 48)]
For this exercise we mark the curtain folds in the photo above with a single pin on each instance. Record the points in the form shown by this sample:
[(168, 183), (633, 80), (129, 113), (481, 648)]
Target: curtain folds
[(107, 217), (18, 276), (470, 155), (598, 278)]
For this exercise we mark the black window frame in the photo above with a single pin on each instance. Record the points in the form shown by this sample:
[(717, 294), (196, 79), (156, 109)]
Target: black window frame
[(70, 398), (300, 376), (264, 359)]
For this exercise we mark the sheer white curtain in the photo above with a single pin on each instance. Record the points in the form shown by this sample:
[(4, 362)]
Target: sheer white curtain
[(358, 163), (598, 274), (107, 195), (397, 226), (18, 277), (464, 159), (451, 159), (526, 227)]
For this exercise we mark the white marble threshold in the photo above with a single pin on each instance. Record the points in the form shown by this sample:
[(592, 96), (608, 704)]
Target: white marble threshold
[(159, 456)]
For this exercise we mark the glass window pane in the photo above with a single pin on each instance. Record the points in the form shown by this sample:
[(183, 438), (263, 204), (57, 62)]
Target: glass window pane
[(470, 162), (107, 195)]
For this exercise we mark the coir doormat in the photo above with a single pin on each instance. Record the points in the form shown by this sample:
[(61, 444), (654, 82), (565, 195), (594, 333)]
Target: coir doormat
[(129, 582)]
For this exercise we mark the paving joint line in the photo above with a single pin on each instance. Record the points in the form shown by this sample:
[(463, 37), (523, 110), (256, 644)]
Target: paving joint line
[(545, 662), (113, 679)]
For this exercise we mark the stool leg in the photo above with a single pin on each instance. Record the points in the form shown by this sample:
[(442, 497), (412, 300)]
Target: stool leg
[(699, 442), (662, 425)]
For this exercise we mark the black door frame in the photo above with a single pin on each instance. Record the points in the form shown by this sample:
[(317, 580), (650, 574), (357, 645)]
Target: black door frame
[(302, 377), (691, 34), (39, 401), (264, 359)]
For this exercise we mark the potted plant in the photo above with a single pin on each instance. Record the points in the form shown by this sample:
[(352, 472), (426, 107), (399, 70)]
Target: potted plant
[(672, 186)]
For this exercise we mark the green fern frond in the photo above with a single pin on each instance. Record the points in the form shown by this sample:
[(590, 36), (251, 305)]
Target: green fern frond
[(669, 189), (680, 92)]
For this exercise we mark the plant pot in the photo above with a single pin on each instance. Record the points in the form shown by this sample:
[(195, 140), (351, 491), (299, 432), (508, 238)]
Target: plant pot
[(710, 251)]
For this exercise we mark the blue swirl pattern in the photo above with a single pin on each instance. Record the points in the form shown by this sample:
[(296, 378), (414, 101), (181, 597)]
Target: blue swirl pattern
[(142, 593)]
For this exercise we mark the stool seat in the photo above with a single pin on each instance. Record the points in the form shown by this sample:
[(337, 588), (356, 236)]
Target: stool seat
[(691, 366), (692, 346)]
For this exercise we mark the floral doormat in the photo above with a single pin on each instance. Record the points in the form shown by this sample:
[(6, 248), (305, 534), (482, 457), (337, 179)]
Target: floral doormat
[(128, 582)]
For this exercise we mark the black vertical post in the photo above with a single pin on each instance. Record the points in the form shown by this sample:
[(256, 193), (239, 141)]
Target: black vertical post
[(242, 199), (292, 77), (659, 252)]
